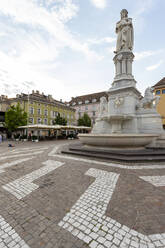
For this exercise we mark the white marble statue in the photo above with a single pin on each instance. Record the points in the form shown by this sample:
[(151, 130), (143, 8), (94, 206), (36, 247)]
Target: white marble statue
[(125, 33), (149, 101), (103, 110)]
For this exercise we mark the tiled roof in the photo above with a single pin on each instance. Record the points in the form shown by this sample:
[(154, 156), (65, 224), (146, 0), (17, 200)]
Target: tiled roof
[(36, 96), (160, 84), (88, 97)]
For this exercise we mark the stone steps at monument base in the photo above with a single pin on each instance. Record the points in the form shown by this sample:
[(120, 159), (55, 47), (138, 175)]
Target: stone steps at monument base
[(117, 156), (124, 152)]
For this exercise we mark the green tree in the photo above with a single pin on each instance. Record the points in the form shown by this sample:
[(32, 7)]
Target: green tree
[(15, 117), (60, 120), (85, 121)]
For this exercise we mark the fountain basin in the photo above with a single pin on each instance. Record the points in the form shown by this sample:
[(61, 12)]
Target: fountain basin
[(117, 117), (118, 141)]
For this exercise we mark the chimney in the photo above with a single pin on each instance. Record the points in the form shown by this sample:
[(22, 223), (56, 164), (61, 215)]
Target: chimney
[(60, 100), (32, 91)]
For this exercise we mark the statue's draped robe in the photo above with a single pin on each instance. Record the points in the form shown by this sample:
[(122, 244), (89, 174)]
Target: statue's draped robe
[(125, 39)]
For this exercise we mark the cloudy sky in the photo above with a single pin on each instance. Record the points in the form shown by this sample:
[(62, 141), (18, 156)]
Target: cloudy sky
[(65, 47)]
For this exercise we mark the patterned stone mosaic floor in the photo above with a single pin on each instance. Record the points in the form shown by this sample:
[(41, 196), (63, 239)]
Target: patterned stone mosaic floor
[(49, 200)]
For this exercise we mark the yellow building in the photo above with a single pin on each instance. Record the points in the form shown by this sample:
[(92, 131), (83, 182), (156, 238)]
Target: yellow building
[(159, 90), (41, 109)]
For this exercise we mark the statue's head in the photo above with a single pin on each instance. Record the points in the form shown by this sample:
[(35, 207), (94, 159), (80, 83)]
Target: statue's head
[(124, 13), (148, 92), (103, 99)]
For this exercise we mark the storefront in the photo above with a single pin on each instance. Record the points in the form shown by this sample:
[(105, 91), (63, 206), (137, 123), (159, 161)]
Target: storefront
[(42, 132)]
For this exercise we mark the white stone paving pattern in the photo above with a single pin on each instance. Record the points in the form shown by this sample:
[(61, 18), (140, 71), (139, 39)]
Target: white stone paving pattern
[(87, 221), (32, 148), (8, 237), (28, 150), (120, 166), (7, 165), (21, 155), (55, 150), (24, 150), (24, 186), (158, 181)]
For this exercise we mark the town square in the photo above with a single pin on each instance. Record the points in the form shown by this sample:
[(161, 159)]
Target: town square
[(88, 170), (54, 200)]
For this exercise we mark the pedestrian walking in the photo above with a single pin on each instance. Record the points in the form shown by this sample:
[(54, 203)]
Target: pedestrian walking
[(0, 138)]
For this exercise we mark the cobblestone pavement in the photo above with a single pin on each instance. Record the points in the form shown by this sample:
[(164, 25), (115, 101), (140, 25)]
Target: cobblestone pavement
[(50, 200)]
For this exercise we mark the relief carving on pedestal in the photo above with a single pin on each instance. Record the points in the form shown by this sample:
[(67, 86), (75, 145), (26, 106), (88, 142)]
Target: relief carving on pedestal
[(118, 102)]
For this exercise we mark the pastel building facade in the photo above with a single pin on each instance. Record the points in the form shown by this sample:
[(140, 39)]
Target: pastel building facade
[(87, 104), (159, 90), (41, 109)]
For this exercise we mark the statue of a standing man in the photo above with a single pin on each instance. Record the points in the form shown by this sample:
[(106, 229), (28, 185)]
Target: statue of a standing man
[(125, 34)]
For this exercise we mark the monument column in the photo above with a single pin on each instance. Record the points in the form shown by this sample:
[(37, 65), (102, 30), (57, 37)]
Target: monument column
[(123, 92), (118, 67), (123, 55), (129, 66), (124, 66)]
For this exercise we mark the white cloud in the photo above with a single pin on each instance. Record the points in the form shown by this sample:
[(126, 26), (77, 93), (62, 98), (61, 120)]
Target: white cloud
[(52, 21), (140, 8), (145, 54), (17, 76), (67, 11), (38, 34), (143, 6), (155, 66), (111, 50), (102, 40), (101, 4)]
